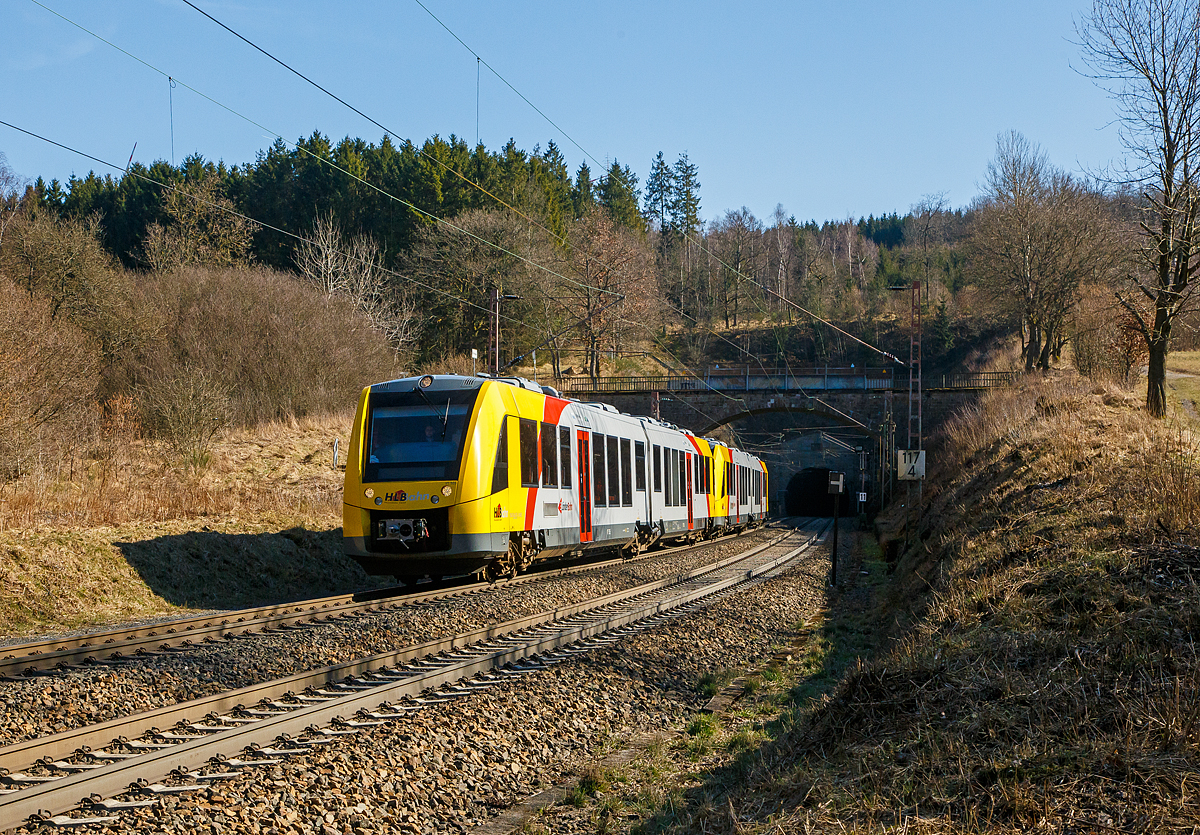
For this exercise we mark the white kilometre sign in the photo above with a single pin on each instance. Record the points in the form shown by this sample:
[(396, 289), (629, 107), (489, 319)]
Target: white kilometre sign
[(910, 464)]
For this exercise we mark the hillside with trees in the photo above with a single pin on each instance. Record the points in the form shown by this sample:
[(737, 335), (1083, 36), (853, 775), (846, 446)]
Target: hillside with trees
[(273, 289), (413, 238)]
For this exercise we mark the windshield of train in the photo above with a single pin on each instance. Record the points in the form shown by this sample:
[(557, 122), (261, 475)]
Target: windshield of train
[(415, 438)]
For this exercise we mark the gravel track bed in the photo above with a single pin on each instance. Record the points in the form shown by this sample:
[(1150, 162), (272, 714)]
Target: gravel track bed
[(45, 705), (451, 766)]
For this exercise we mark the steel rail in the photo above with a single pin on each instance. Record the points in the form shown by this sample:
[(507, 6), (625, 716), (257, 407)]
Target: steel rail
[(65, 792), (40, 656), (23, 754)]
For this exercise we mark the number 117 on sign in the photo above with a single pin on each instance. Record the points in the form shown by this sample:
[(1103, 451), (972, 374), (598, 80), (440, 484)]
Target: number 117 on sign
[(910, 464)]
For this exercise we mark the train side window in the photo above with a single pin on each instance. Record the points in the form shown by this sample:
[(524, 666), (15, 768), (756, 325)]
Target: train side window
[(626, 474), (599, 491), (639, 463), (564, 455), (529, 453), (614, 473), (695, 475), (500, 470), (656, 454), (683, 479), (673, 477), (549, 455)]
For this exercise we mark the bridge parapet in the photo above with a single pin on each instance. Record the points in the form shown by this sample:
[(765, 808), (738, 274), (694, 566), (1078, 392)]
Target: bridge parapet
[(833, 379)]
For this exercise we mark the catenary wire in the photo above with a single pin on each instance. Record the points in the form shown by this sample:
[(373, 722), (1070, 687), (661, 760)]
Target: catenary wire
[(414, 208), (385, 129), (737, 273), (323, 160), (235, 213), (508, 84)]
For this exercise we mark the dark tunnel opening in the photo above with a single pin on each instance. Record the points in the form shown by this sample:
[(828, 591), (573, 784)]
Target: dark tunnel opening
[(807, 494)]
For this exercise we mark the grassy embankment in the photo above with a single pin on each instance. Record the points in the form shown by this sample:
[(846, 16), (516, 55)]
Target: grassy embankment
[(1030, 666), (132, 535)]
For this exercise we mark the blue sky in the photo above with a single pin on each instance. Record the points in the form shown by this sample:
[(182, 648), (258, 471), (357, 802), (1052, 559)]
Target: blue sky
[(830, 109)]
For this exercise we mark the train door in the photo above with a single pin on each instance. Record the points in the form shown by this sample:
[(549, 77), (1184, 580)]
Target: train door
[(584, 457), (735, 498), (689, 491)]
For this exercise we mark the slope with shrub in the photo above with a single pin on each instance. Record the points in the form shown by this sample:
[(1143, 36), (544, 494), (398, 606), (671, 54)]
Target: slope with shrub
[(141, 410)]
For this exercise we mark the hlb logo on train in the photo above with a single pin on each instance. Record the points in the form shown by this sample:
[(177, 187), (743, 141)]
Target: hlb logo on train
[(401, 496)]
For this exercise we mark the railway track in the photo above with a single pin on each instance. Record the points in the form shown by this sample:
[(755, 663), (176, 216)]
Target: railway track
[(45, 656), (215, 737)]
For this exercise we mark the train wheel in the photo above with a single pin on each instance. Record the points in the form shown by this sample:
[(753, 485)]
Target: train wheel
[(632, 549), (522, 550), (502, 566)]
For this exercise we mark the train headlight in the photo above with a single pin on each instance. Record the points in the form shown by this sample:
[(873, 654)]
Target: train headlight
[(447, 490), (426, 381), (369, 493), (379, 500)]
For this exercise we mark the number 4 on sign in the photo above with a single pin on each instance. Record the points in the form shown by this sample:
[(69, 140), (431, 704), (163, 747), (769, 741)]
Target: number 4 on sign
[(910, 464)]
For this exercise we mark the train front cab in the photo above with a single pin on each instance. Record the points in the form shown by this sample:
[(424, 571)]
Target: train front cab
[(418, 475)]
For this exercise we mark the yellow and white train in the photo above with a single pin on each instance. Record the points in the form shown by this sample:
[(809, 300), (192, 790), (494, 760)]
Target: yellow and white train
[(450, 475)]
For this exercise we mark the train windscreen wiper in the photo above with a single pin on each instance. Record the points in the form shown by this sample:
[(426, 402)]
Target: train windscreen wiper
[(445, 419)]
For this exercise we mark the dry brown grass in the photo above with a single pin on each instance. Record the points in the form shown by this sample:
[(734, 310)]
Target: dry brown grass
[(121, 477), (117, 531)]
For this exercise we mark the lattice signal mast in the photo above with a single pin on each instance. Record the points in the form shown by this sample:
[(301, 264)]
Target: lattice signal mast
[(914, 370)]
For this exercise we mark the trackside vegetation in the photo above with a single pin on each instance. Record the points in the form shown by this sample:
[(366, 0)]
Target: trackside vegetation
[(1029, 665)]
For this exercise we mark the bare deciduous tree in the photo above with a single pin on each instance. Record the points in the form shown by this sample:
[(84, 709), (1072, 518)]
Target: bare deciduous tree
[(928, 228), (10, 195), (61, 261), (205, 229), (1146, 53), (737, 240), (455, 267), (351, 270), (1038, 235), (604, 264)]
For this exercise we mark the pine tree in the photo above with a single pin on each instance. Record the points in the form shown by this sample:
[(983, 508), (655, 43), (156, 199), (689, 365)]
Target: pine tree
[(660, 190), (685, 196), (583, 194), (943, 336), (619, 194)]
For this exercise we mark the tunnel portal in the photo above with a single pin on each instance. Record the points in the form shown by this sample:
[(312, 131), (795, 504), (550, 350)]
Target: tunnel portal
[(807, 494)]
